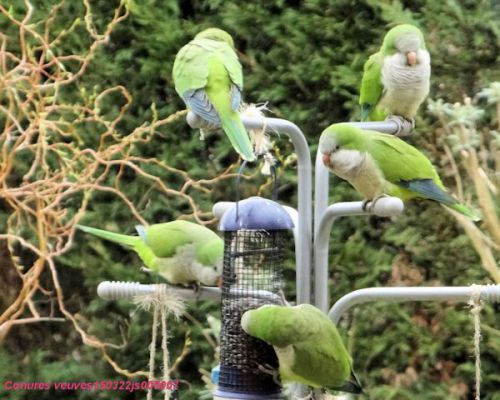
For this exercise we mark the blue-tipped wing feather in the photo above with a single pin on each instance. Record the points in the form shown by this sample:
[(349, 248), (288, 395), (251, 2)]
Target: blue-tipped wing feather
[(198, 102), (427, 188)]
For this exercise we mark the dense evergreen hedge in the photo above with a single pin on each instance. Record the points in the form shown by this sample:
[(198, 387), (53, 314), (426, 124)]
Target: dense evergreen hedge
[(305, 58)]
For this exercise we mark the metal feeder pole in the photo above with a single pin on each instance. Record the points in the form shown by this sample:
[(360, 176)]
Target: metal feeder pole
[(303, 252), (384, 207)]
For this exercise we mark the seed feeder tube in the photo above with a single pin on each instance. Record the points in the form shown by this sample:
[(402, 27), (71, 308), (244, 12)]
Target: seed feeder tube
[(255, 230)]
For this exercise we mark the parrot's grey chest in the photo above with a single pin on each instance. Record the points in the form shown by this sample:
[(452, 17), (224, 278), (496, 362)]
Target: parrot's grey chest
[(405, 87), (360, 170)]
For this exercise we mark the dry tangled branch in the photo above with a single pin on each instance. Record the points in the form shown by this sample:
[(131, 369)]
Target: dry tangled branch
[(42, 133), (473, 153)]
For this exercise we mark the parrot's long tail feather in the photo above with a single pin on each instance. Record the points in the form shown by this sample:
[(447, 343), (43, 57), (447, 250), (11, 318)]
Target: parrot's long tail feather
[(465, 211), (275, 183), (238, 180), (124, 240), (365, 112), (351, 386), (237, 134), (428, 189)]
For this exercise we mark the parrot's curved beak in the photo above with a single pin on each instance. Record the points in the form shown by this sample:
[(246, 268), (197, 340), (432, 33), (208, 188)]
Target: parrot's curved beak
[(411, 58), (326, 160)]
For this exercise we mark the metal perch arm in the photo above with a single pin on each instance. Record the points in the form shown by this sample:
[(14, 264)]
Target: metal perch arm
[(384, 207), (489, 293), (127, 290)]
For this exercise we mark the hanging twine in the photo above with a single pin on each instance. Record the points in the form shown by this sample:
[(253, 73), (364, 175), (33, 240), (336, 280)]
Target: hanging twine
[(476, 306), (163, 301)]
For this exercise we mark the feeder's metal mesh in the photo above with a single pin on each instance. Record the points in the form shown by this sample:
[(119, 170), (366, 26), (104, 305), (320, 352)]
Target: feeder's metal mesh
[(252, 277)]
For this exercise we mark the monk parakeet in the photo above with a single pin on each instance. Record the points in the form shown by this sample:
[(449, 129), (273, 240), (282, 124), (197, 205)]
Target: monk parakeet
[(308, 346), (182, 252), (396, 78), (209, 78), (377, 164)]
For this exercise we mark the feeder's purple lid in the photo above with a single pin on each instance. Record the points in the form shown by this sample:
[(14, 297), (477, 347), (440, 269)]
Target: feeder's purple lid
[(256, 213)]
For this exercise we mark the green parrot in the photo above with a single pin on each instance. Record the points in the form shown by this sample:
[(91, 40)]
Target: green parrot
[(396, 79), (209, 78), (376, 164), (182, 252), (308, 346)]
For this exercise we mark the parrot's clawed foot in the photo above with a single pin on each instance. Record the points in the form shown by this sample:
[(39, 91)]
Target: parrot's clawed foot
[(206, 130), (283, 299), (196, 287), (309, 396), (405, 125), (219, 282), (146, 269), (369, 204), (270, 370)]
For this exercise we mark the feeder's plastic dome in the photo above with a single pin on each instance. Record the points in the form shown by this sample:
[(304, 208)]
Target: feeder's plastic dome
[(256, 213)]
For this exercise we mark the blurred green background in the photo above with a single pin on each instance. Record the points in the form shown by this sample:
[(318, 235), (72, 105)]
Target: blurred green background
[(305, 58)]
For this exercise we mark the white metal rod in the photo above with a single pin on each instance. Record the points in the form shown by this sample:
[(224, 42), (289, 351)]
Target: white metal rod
[(321, 190), (489, 293), (127, 290), (303, 252), (399, 127), (384, 207)]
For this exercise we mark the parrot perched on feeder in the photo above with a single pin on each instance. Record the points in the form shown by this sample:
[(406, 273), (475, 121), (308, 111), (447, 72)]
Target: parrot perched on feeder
[(377, 164), (396, 79), (209, 78), (308, 346), (182, 252)]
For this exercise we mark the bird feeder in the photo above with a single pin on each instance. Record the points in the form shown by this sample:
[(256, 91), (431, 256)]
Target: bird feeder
[(254, 233)]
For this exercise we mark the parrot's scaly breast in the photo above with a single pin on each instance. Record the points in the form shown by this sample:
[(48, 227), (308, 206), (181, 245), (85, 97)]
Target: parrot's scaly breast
[(345, 163), (405, 87), (360, 170)]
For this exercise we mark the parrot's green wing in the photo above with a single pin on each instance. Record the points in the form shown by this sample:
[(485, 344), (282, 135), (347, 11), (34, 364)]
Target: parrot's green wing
[(209, 78), (398, 160), (405, 166), (371, 88), (280, 326), (331, 366), (164, 239), (191, 64), (191, 70)]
